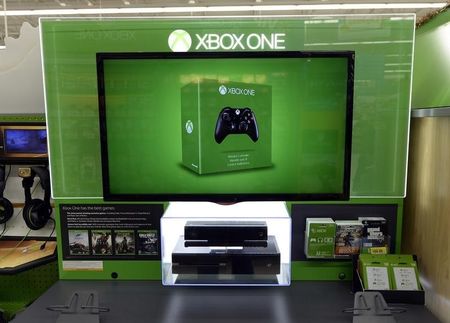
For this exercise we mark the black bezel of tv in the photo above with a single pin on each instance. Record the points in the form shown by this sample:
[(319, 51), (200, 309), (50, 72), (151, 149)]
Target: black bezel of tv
[(217, 197)]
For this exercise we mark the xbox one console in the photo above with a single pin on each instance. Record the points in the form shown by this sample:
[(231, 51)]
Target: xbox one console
[(226, 260), (223, 233), (226, 126), (226, 248), (206, 243), (236, 121)]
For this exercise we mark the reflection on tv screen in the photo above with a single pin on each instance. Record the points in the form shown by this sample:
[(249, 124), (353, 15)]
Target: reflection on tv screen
[(26, 141)]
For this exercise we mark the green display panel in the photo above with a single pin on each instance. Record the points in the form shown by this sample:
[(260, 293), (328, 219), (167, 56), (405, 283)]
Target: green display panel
[(432, 63), (382, 45)]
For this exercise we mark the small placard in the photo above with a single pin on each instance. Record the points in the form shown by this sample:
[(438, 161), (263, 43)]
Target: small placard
[(83, 265), (405, 278), (377, 278), (111, 231)]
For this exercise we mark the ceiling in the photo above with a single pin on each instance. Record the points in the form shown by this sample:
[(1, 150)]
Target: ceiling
[(10, 25)]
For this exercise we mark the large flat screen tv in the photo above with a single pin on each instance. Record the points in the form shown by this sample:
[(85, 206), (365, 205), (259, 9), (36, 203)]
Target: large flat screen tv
[(226, 126)]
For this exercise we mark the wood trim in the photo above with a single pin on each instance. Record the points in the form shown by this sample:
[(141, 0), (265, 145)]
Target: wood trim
[(426, 221)]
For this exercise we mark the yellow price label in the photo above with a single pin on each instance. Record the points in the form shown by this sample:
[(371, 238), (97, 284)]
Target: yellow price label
[(378, 250)]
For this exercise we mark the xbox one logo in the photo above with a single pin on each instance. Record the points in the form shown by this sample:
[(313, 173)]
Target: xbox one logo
[(179, 41), (189, 126), (223, 89)]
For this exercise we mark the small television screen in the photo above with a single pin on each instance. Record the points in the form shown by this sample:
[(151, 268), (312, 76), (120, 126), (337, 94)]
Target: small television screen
[(226, 126), (26, 141), (23, 143)]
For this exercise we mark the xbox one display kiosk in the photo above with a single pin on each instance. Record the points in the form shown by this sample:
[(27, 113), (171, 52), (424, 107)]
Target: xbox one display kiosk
[(247, 243)]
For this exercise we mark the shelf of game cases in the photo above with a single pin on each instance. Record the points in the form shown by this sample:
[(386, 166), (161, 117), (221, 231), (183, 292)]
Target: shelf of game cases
[(342, 239)]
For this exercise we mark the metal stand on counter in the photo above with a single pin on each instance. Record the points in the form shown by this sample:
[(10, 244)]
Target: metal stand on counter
[(82, 307), (370, 307)]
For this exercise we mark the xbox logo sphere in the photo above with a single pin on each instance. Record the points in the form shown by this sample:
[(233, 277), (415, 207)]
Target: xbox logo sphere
[(189, 126), (223, 89), (179, 41)]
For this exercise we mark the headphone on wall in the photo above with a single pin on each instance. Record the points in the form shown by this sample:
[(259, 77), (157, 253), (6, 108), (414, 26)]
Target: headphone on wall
[(36, 212), (6, 207)]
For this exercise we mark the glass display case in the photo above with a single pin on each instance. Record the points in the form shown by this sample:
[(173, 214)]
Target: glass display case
[(246, 243)]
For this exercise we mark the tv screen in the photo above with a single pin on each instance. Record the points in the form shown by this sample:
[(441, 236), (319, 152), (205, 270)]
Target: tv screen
[(25, 141), (226, 126)]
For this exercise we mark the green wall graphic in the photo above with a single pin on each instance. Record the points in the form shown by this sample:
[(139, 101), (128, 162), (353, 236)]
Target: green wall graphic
[(383, 48)]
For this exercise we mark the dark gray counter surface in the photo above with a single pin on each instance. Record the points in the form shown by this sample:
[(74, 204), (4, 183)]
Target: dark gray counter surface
[(146, 301)]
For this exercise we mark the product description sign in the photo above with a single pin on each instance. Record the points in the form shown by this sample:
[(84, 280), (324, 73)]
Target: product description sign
[(111, 231)]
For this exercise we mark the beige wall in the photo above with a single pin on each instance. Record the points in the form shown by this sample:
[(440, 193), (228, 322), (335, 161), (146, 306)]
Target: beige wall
[(426, 227), (21, 85)]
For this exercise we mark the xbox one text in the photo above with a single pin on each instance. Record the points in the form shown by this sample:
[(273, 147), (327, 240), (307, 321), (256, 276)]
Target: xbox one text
[(236, 91), (241, 41), (181, 41)]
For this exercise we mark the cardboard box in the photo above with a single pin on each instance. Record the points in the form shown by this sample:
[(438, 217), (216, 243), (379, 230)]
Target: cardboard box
[(374, 270), (404, 273), (320, 234), (226, 126)]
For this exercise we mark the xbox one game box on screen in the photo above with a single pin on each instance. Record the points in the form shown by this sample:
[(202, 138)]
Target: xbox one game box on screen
[(226, 126)]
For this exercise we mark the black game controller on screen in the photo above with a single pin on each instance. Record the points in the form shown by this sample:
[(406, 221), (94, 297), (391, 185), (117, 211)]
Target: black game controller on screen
[(236, 121)]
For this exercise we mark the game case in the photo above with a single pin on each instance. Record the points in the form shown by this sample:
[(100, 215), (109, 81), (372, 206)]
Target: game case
[(375, 239), (320, 237), (148, 242), (101, 242), (374, 227), (78, 242), (124, 242), (348, 237)]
